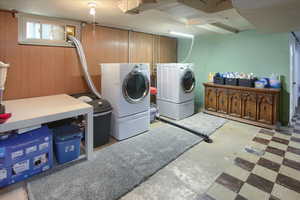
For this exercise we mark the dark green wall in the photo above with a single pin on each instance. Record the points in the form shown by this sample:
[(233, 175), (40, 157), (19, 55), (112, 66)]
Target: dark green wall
[(247, 52)]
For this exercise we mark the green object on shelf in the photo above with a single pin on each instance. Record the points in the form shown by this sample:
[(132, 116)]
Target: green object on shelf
[(2, 109)]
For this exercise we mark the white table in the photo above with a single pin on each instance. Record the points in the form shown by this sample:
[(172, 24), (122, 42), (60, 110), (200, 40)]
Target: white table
[(31, 112)]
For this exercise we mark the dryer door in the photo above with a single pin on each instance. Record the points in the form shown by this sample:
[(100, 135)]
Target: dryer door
[(135, 86), (188, 81)]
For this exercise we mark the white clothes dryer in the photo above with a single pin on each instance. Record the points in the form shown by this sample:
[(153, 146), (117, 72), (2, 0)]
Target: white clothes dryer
[(175, 90), (126, 87)]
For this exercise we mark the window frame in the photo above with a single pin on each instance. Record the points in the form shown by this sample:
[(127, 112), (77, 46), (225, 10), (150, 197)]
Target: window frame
[(24, 18)]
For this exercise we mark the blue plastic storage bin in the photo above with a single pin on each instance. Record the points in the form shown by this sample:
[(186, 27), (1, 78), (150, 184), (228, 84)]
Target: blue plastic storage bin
[(67, 143)]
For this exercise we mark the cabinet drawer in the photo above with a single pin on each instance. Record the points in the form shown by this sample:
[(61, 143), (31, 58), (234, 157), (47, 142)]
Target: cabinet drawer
[(234, 103), (211, 99), (249, 105), (222, 101), (265, 108)]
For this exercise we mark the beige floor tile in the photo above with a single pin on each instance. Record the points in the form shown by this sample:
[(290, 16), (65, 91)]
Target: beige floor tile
[(278, 145), (292, 156), (15, 194), (251, 192), (284, 193), (258, 145), (282, 136), (273, 157), (296, 135), (294, 144), (219, 192), (248, 156), (264, 136), (290, 172), (238, 172), (265, 173)]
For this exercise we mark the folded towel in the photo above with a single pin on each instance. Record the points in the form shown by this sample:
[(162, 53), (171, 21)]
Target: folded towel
[(4, 117)]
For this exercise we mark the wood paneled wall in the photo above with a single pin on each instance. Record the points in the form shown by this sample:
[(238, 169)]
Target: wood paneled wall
[(167, 50), (152, 49), (46, 70), (103, 45)]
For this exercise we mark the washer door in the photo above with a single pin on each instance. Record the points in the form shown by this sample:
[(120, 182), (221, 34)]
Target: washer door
[(135, 86), (188, 81)]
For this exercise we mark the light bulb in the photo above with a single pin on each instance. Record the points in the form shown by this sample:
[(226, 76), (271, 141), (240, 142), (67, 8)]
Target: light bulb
[(92, 6), (93, 11)]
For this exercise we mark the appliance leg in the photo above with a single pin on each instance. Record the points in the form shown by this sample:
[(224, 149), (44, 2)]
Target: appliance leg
[(89, 137), (206, 138)]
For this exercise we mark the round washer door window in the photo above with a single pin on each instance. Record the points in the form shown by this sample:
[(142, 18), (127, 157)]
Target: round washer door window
[(188, 81), (135, 86)]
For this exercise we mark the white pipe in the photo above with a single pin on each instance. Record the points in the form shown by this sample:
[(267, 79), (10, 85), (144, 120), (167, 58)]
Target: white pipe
[(190, 51), (84, 65)]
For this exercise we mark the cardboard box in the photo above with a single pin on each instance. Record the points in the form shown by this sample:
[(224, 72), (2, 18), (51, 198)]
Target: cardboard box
[(22, 156)]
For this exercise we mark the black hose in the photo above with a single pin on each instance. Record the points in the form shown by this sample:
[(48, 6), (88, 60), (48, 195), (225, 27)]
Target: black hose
[(206, 138)]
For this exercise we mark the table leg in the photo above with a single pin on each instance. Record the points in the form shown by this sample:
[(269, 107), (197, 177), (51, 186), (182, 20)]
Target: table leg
[(89, 138)]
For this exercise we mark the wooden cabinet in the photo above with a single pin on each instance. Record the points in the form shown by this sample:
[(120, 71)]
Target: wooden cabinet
[(222, 101), (265, 108), (235, 103), (251, 105), (211, 99)]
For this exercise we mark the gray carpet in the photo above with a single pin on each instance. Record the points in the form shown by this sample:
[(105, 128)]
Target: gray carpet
[(117, 169), (203, 123)]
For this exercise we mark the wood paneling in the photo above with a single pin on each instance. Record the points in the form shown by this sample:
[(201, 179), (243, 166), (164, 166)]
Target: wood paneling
[(48, 70), (152, 49), (167, 50), (37, 70), (141, 47), (251, 105), (103, 45)]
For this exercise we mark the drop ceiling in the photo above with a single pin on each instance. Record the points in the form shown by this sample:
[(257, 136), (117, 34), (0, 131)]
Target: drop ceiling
[(271, 15), (158, 21)]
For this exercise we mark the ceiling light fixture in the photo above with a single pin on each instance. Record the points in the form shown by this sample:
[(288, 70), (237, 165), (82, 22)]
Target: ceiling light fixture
[(218, 28), (181, 34), (92, 6)]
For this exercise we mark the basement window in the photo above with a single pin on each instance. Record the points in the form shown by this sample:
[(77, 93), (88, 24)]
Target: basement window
[(37, 30)]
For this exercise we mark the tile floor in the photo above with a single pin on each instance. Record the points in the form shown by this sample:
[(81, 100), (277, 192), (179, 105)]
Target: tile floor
[(223, 170), (272, 176), (191, 174)]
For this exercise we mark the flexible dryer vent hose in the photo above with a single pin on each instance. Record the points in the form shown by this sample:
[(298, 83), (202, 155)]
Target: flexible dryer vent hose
[(84, 65), (206, 138), (189, 52)]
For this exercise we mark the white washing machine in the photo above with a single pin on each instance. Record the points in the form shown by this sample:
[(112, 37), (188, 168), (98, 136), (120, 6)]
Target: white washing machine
[(175, 90), (126, 87)]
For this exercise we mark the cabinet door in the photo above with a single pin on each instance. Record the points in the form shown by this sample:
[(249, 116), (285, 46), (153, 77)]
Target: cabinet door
[(265, 108), (222, 101), (249, 102), (234, 103), (211, 99)]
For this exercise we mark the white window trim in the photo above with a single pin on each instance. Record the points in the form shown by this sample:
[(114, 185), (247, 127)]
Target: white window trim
[(24, 18)]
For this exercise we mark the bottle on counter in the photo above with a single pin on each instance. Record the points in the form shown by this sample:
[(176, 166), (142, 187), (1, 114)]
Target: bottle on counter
[(274, 81)]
